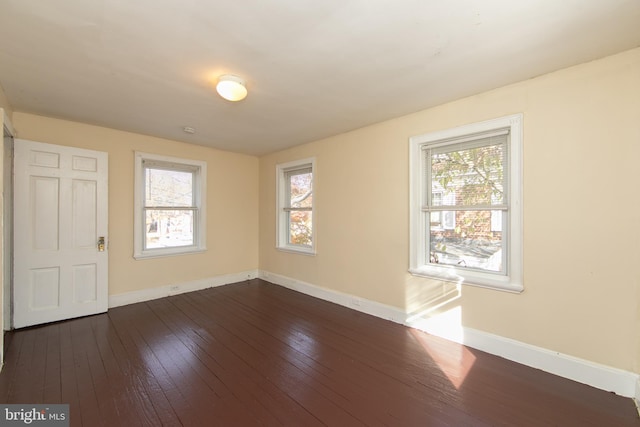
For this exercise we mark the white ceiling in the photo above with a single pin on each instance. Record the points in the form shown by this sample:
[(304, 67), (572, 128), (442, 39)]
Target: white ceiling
[(314, 68)]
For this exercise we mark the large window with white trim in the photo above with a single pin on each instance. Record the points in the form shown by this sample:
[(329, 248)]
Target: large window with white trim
[(466, 210), (169, 205), (295, 204)]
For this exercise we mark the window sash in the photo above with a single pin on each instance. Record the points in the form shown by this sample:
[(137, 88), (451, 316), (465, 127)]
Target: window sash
[(171, 208), (497, 138), (288, 174), (465, 208), (297, 209), (469, 258), (290, 235), (194, 229), (171, 167)]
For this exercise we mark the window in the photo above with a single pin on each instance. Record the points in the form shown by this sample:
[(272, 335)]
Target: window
[(169, 206), (466, 210), (295, 230)]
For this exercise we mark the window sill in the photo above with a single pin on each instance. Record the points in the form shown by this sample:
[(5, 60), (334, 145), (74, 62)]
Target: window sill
[(472, 278), (297, 250), (167, 253)]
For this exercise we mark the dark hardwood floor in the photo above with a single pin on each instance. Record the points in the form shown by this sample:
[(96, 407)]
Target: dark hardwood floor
[(253, 353)]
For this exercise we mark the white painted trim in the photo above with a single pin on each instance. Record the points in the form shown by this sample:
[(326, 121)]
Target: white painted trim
[(636, 397), (142, 295), (604, 377), (584, 371), (360, 304), (7, 246), (5, 319), (7, 123)]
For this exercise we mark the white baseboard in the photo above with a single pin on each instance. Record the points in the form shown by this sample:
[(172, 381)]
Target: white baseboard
[(179, 288), (360, 304), (604, 377), (584, 371)]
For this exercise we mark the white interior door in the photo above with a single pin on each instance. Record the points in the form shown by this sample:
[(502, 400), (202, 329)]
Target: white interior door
[(60, 214)]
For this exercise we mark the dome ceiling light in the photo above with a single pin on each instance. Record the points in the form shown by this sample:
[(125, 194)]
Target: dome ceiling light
[(231, 87)]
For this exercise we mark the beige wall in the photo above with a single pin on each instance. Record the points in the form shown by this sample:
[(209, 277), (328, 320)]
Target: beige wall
[(232, 203), (581, 213)]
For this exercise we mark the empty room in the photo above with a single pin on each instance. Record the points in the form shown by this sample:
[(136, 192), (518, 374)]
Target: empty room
[(339, 213)]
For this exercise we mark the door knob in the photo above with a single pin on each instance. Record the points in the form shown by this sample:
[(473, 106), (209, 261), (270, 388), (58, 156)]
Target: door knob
[(101, 244)]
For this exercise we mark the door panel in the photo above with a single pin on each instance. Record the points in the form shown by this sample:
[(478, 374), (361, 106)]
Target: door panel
[(84, 214), (44, 288), (60, 213), (85, 283), (43, 213)]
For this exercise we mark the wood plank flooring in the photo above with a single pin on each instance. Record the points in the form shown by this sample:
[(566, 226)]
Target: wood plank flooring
[(256, 354)]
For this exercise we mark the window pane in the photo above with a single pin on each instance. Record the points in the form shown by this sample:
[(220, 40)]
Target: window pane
[(300, 190), (468, 177), (300, 226), (471, 243), (168, 188), (168, 228)]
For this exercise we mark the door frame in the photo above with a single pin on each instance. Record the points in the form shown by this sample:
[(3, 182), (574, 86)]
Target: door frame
[(6, 262)]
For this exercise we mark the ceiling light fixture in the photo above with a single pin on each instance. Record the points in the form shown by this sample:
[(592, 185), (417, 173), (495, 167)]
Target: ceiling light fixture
[(231, 87)]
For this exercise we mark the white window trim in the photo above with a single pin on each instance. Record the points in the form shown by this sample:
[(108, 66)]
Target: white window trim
[(200, 185), (513, 280), (282, 241)]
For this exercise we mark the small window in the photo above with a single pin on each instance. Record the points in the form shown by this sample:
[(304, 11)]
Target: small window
[(295, 227), (169, 205), (466, 215)]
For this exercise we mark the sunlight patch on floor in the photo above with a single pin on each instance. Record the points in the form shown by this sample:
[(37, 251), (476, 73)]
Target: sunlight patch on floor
[(435, 308), (446, 324), (455, 360)]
